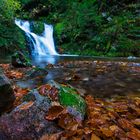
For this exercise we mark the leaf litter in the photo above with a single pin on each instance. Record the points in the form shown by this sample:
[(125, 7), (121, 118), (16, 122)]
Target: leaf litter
[(107, 119)]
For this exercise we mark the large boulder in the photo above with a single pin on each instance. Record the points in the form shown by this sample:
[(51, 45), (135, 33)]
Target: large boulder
[(27, 121), (6, 93), (20, 60)]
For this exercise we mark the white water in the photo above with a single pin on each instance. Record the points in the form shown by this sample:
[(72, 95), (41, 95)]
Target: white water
[(42, 44)]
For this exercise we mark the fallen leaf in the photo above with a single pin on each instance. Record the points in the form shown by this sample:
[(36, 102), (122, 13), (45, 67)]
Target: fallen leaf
[(54, 112), (114, 128), (68, 122), (136, 122), (94, 137), (132, 135), (125, 124), (55, 136), (50, 91), (26, 105), (136, 132), (107, 132), (87, 130)]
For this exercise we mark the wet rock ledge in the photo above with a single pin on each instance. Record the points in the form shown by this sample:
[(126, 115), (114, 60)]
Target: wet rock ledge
[(7, 96)]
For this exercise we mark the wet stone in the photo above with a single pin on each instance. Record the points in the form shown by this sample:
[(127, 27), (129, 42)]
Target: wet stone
[(6, 94), (39, 72), (20, 60), (27, 120)]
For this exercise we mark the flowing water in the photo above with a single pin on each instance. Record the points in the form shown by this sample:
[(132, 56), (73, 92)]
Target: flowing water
[(42, 44), (99, 76)]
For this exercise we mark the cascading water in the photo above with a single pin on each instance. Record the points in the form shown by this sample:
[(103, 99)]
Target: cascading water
[(42, 44)]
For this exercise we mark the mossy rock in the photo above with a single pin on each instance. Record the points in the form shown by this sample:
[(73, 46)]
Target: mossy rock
[(68, 97), (20, 60)]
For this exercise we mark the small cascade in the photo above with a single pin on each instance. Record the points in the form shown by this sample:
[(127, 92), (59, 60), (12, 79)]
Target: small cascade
[(42, 44)]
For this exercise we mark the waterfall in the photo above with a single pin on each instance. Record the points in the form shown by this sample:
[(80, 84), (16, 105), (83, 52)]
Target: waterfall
[(42, 44)]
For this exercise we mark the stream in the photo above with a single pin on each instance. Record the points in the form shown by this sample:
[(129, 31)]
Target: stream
[(97, 76), (113, 83)]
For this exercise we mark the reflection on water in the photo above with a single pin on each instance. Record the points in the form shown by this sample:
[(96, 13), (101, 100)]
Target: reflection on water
[(42, 61), (99, 76), (92, 76)]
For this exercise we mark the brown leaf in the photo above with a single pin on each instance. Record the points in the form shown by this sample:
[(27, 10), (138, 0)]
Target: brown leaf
[(76, 138), (125, 124), (107, 132), (134, 107), (11, 74), (136, 132), (68, 134), (114, 128), (54, 112), (42, 89), (55, 136), (48, 90), (125, 138), (26, 106), (137, 100), (96, 122), (87, 130), (133, 136), (94, 137), (20, 92), (136, 122), (68, 122), (113, 115)]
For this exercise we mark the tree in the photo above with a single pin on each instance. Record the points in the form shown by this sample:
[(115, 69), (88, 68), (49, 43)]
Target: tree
[(8, 31)]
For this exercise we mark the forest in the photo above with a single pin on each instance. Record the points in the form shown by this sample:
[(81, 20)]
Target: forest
[(69, 70), (93, 27)]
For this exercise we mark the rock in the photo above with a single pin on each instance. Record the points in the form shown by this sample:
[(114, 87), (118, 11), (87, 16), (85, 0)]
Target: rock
[(75, 104), (38, 72), (27, 121), (20, 60), (6, 93), (70, 98)]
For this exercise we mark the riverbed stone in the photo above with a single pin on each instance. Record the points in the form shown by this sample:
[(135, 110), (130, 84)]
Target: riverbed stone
[(38, 72), (20, 60), (27, 121), (7, 96)]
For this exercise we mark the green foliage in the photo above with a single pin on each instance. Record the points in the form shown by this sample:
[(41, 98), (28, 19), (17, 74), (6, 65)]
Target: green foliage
[(8, 30), (93, 27), (37, 27), (69, 97), (8, 8)]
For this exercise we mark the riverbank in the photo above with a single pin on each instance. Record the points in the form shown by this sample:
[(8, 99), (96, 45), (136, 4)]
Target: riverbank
[(110, 89)]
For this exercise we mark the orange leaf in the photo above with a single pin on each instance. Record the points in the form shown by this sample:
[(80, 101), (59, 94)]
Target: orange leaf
[(125, 124), (26, 106), (107, 132), (54, 112), (68, 122), (133, 136), (55, 136), (94, 137), (136, 122)]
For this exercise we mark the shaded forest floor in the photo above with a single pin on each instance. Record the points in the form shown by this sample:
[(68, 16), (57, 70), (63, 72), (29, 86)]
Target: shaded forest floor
[(111, 91)]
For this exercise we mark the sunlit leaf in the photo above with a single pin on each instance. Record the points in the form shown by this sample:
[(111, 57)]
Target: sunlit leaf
[(26, 105), (68, 122), (94, 137), (54, 112)]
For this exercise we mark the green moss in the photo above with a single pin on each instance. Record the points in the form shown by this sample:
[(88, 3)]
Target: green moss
[(69, 97), (86, 28)]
